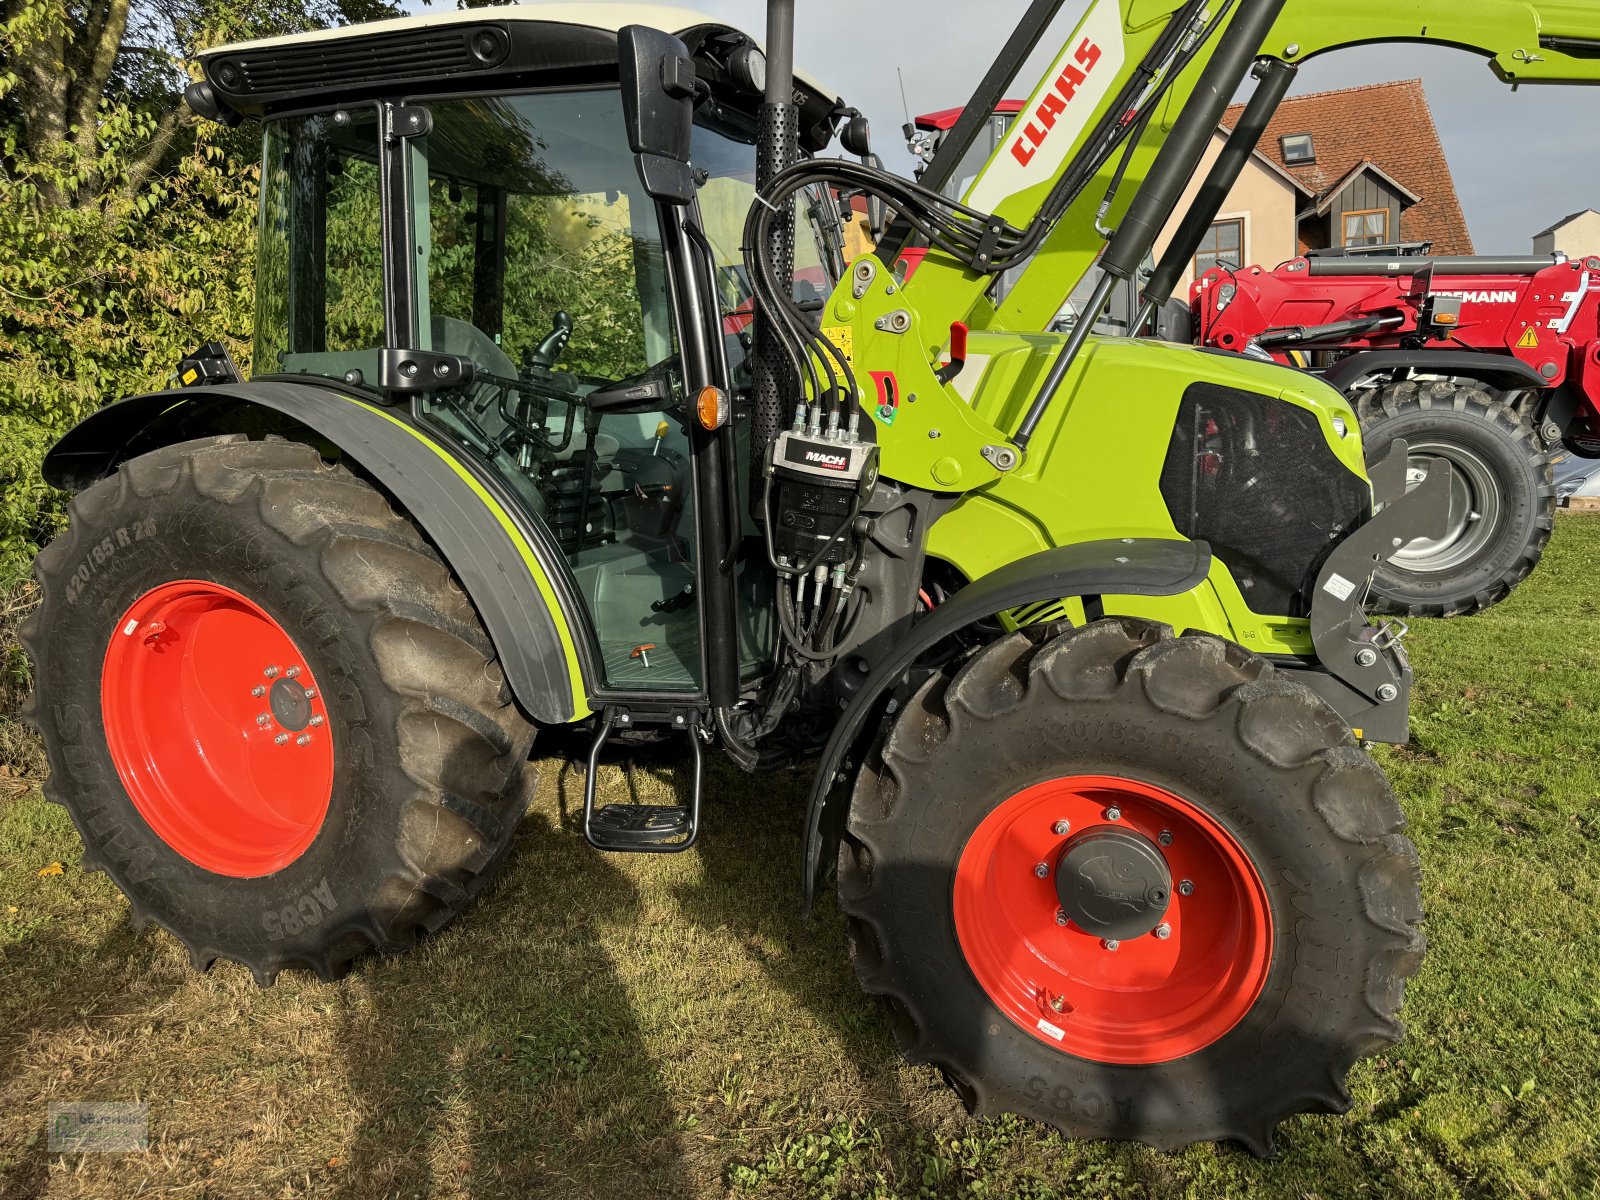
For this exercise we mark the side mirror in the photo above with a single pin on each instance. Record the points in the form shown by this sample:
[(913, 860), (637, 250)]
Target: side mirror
[(856, 135), (658, 85)]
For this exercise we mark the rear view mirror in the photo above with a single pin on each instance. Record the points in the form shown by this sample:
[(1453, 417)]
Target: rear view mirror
[(658, 85)]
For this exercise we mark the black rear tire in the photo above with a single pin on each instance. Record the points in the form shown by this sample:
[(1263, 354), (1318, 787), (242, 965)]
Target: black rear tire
[(430, 755), (1502, 477), (1268, 762)]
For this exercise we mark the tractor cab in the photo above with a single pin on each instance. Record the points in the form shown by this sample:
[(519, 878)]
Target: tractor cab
[(451, 215)]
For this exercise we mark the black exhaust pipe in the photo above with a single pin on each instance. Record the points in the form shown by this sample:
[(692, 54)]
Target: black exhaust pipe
[(777, 146)]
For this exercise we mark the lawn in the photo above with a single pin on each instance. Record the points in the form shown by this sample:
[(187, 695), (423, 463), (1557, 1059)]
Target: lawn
[(644, 1027)]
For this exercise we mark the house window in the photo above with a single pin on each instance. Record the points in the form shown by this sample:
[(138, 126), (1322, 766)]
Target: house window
[(1370, 228), (1223, 245), (1298, 149)]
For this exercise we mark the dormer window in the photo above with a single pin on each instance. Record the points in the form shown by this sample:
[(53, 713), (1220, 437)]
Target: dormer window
[(1297, 149)]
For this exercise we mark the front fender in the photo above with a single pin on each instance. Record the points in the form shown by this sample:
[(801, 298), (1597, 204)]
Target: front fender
[(1135, 567), (509, 577)]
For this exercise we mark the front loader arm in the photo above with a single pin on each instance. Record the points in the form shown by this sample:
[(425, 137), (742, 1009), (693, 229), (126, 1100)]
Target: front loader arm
[(1525, 42)]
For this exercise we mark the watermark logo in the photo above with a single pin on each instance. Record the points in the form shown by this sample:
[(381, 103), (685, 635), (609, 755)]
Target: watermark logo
[(99, 1126)]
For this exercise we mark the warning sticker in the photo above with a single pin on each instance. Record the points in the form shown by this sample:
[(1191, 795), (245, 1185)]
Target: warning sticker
[(1053, 1031), (842, 336), (1529, 339), (1338, 586)]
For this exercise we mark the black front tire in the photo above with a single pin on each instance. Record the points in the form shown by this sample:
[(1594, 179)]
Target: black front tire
[(430, 766), (1507, 483), (1261, 755)]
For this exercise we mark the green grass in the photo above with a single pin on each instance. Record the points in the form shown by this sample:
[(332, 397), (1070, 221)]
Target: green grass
[(641, 1027)]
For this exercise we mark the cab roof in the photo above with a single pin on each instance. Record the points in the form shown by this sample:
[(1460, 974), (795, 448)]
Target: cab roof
[(432, 31)]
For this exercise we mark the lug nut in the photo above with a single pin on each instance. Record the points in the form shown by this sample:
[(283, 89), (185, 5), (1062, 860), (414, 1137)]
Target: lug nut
[(316, 720), (1061, 917), (271, 672), (303, 740), (311, 693), (1163, 931), (1061, 827), (1165, 837), (292, 672), (1113, 813), (263, 719), (281, 739), (1111, 943), (1041, 870), (1185, 888), (260, 689)]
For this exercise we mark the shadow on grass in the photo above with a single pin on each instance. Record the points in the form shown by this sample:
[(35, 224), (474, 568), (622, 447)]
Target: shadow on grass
[(504, 1058), (120, 973)]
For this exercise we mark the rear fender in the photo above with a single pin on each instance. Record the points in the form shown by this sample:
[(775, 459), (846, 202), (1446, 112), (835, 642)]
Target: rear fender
[(511, 579), (1137, 567), (1499, 371)]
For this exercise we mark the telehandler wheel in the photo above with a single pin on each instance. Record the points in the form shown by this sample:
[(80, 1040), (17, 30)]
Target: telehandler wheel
[(1131, 885), (1502, 505), (274, 718)]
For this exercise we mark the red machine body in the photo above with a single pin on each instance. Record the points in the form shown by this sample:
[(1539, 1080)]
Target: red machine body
[(1542, 313)]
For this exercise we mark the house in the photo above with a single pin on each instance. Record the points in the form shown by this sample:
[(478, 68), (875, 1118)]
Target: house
[(1258, 220), (1354, 167), (1576, 236)]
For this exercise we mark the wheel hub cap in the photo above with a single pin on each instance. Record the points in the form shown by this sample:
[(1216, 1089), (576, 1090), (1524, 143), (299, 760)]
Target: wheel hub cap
[(1113, 883), (1133, 939), (217, 728)]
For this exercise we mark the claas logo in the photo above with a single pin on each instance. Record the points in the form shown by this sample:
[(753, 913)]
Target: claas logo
[(1055, 102)]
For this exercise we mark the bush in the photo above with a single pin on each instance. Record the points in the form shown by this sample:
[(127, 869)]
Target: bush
[(103, 288)]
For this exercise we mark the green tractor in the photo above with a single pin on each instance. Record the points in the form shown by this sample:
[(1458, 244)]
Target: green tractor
[(1088, 711)]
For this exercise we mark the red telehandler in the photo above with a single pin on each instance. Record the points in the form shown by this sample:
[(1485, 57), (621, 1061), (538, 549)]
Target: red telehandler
[(1492, 364)]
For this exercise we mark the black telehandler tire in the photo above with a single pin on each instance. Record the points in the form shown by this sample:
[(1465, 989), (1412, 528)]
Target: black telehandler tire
[(272, 714), (1131, 885), (1502, 507)]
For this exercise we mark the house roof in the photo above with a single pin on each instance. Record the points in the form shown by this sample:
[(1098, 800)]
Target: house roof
[(1365, 167), (1386, 125), (1565, 221)]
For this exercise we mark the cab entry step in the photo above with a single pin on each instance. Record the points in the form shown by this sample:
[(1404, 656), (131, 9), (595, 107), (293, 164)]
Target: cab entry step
[(640, 828)]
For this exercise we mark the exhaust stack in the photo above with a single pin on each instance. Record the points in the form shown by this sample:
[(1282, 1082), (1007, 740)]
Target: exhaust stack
[(777, 146)]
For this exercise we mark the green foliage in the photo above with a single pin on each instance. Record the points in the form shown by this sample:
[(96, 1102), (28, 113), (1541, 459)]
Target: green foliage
[(101, 298)]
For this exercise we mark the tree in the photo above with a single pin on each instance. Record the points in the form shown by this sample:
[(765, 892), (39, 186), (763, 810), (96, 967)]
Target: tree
[(68, 58), (129, 230)]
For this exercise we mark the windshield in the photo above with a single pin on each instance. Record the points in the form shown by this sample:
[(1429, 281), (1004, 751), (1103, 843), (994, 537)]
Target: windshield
[(725, 198)]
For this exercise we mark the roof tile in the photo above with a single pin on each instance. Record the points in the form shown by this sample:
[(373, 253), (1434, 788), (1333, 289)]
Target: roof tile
[(1390, 125)]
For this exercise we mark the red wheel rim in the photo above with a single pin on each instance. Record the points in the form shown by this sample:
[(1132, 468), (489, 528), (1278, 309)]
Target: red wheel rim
[(217, 728), (1150, 1000)]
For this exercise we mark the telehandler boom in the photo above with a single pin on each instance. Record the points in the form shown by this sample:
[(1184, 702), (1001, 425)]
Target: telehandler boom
[(1089, 716)]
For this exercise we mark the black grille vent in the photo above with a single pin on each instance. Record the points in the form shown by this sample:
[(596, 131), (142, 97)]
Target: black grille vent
[(1255, 477), (337, 62)]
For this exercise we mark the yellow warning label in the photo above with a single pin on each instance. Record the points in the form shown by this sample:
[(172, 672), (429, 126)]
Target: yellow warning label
[(1529, 339), (842, 336)]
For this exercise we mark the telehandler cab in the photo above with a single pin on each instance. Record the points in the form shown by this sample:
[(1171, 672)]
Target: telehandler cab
[(1088, 714)]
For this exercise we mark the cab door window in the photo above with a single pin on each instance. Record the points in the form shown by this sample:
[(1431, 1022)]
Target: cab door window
[(544, 265)]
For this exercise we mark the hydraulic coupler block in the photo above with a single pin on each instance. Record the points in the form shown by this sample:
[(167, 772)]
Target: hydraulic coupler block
[(818, 487)]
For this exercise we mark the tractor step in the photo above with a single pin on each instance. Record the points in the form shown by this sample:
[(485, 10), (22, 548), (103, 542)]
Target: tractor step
[(640, 828)]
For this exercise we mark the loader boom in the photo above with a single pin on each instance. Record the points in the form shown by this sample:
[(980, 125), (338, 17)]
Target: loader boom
[(1054, 138)]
